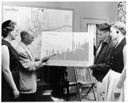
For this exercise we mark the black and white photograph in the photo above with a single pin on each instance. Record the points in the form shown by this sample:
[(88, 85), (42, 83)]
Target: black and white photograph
[(63, 51)]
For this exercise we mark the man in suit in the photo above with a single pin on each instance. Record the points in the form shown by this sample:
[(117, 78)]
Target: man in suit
[(103, 51), (28, 78), (102, 57)]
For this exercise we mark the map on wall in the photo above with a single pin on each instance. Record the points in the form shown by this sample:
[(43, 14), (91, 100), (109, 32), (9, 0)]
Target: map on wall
[(38, 20), (70, 48)]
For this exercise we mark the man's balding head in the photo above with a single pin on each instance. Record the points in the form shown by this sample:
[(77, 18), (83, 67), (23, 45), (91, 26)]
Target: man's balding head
[(27, 37)]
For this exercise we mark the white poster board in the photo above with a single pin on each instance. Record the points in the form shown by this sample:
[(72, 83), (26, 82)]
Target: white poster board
[(71, 48)]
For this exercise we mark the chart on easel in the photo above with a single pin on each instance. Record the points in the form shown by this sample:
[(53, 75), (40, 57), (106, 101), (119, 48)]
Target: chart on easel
[(68, 46)]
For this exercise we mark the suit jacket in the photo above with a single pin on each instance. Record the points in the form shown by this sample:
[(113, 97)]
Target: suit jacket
[(27, 75), (102, 60)]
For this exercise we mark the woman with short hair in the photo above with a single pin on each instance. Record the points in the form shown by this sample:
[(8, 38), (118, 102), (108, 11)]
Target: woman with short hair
[(10, 64), (117, 72)]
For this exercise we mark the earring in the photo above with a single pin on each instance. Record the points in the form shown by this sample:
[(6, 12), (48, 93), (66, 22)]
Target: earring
[(117, 32)]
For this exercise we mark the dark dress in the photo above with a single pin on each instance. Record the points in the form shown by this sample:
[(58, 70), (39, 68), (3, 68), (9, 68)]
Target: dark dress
[(7, 92), (116, 61), (114, 74)]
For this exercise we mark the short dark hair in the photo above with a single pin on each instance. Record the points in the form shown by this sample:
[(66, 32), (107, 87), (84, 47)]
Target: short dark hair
[(7, 27), (103, 27)]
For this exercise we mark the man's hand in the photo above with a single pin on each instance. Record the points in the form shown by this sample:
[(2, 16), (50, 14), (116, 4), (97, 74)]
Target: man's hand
[(92, 67), (45, 59)]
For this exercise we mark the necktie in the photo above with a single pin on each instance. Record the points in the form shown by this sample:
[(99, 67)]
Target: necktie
[(98, 49)]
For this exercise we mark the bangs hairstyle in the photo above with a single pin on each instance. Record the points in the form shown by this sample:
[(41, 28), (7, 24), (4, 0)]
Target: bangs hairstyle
[(120, 26), (7, 27)]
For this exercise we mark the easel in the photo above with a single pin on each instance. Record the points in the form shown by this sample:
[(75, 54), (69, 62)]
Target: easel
[(80, 87)]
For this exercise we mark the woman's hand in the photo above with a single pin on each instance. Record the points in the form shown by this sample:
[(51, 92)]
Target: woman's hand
[(16, 93), (117, 92)]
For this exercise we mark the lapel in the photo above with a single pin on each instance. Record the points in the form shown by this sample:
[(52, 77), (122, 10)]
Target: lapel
[(27, 50), (102, 51), (102, 46), (104, 43)]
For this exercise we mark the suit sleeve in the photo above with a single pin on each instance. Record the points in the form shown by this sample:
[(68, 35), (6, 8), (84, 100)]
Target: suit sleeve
[(29, 64)]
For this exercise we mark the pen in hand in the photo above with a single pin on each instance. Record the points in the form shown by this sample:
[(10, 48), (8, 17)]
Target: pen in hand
[(45, 59)]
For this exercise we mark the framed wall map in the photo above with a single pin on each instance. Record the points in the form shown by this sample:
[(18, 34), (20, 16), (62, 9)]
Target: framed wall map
[(38, 20)]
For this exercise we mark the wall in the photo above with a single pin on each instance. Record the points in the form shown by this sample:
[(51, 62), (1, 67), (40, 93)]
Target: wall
[(98, 10), (81, 9)]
